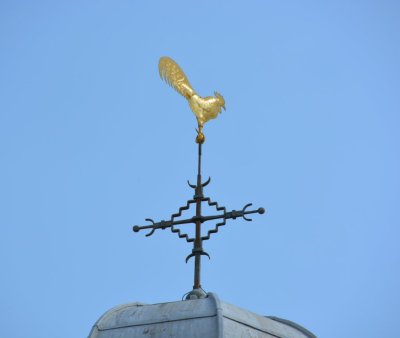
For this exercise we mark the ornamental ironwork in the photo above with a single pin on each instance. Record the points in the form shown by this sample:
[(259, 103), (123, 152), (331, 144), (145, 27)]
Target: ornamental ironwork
[(172, 73)]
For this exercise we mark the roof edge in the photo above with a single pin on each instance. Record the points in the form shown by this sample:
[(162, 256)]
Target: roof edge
[(302, 329), (220, 315)]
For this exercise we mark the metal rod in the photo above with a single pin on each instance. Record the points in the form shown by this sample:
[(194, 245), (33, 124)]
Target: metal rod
[(199, 165), (197, 246), (196, 219)]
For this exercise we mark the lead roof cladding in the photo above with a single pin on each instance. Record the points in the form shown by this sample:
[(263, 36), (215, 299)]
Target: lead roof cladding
[(199, 318)]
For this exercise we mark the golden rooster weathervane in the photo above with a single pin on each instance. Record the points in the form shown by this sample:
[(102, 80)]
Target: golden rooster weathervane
[(205, 108)]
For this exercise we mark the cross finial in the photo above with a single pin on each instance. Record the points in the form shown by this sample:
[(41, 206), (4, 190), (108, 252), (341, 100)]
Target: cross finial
[(198, 220)]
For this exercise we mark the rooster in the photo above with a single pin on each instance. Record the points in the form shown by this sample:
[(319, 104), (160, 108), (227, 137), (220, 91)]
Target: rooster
[(204, 108)]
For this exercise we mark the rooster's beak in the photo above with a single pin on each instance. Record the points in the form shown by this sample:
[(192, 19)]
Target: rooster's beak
[(224, 107)]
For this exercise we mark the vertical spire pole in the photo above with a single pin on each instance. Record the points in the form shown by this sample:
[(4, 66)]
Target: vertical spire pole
[(197, 247)]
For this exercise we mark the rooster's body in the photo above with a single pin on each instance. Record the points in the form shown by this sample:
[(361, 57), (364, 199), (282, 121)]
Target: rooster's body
[(204, 109)]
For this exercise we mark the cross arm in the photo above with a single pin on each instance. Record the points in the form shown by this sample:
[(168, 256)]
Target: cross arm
[(226, 215)]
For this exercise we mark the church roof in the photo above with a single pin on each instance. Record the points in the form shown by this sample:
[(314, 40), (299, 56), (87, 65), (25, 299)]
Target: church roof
[(198, 318)]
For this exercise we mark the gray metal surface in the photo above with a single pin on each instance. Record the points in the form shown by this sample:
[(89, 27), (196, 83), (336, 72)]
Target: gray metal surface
[(199, 318)]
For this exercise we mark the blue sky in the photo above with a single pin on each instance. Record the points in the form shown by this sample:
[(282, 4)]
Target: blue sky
[(93, 142)]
